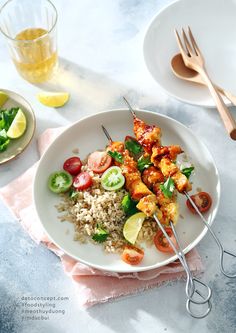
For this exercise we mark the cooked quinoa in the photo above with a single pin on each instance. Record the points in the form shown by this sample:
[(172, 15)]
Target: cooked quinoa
[(96, 206)]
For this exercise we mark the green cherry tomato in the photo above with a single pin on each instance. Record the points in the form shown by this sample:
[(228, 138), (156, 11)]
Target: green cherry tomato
[(60, 181), (112, 179)]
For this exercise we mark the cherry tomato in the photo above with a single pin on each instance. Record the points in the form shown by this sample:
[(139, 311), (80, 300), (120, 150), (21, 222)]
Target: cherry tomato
[(82, 181), (162, 243), (73, 165), (132, 255), (99, 161), (202, 200)]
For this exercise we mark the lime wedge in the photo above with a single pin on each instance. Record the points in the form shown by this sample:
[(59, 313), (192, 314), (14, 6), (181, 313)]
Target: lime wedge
[(18, 126), (132, 227), (3, 98), (53, 99)]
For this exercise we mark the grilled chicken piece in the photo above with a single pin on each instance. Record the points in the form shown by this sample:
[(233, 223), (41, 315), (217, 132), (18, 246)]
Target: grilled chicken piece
[(170, 212), (165, 151), (161, 199), (132, 175), (181, 182), (148, 205), (168, 168), (133, 181), (147, 135), (116, 146), (151, 176)]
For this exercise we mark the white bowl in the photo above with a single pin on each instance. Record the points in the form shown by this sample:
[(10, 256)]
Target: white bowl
[(213, 24), (87, 135)]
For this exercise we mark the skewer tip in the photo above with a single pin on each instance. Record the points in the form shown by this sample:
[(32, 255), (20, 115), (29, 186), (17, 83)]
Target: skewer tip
[(106, 134), (130, 107)]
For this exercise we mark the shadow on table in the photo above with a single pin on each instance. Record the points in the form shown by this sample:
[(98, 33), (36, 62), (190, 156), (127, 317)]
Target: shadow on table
[(90, 92), (161, 309)]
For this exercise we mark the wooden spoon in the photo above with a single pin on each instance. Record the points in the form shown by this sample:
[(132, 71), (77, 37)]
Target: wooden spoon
[(185, 73)]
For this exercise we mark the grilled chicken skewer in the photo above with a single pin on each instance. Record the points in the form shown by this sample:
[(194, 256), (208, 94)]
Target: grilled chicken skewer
[(148, 205), (183, 186)]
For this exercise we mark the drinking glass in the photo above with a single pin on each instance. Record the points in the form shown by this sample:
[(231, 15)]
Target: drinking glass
[(30, 30)]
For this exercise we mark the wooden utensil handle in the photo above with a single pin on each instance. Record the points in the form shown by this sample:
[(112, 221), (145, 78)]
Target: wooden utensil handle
[(228, 120)]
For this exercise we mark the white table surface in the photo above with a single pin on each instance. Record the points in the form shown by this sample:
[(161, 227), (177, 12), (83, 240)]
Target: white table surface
[(100, 45)]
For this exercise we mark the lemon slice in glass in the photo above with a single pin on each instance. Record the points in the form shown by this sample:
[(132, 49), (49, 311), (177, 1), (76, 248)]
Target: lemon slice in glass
[(18, 126), (53, 99), (132, 227), (3, 98)]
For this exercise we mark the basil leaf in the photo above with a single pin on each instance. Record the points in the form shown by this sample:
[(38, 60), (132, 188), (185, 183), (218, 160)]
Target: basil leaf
[(117, 156), (100, 234), (168, 188), (144, 162), (129, 205), (133, 146), (187, 171)]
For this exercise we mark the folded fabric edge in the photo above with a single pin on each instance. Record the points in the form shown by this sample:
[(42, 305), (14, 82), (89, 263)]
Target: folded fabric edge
[(88, 302)]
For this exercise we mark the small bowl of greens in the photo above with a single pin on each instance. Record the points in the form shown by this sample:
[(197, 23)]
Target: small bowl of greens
[(17, 125)]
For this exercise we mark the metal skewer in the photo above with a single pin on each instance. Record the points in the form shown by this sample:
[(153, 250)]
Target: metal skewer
[(223, 252), (190, 284), (130, 107), (190, 288)]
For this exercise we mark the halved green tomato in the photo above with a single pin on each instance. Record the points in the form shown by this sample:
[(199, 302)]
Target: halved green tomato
[(112, 179), (60, 181)]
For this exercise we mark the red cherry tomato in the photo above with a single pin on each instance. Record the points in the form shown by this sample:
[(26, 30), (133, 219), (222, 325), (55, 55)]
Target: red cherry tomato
[(82, 181), (73, 165), (162, 243), (99, 161), (202, 200), (132, 255)]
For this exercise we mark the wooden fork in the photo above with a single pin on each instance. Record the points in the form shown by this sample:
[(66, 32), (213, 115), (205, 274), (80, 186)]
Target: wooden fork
[(193, 59)]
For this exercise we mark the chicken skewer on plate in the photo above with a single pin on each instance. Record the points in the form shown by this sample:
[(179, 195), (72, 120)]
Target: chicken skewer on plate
[(148, 205), (181, 182), (140, 186)]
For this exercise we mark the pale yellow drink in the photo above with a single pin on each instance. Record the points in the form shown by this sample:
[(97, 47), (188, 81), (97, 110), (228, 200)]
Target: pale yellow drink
[(36, 56)]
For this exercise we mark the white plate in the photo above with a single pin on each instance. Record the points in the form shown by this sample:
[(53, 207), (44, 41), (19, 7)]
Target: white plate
[(17, 146), (213, 24), (87, 135)]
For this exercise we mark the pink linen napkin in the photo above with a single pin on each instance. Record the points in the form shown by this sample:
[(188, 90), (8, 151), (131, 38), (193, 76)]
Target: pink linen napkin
[(94, 286)]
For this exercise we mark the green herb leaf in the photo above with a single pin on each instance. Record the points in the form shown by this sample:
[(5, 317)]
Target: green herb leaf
[(133, 146), (100, 234), (187, 171), (4, 140), (168, 188), (116, 155), (129, 205), (6, 118), (144, 162), (73, 193)]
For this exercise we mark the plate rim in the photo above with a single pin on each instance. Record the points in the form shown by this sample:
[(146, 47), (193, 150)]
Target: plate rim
[(31, 111), (134, 268), (183, 100)]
